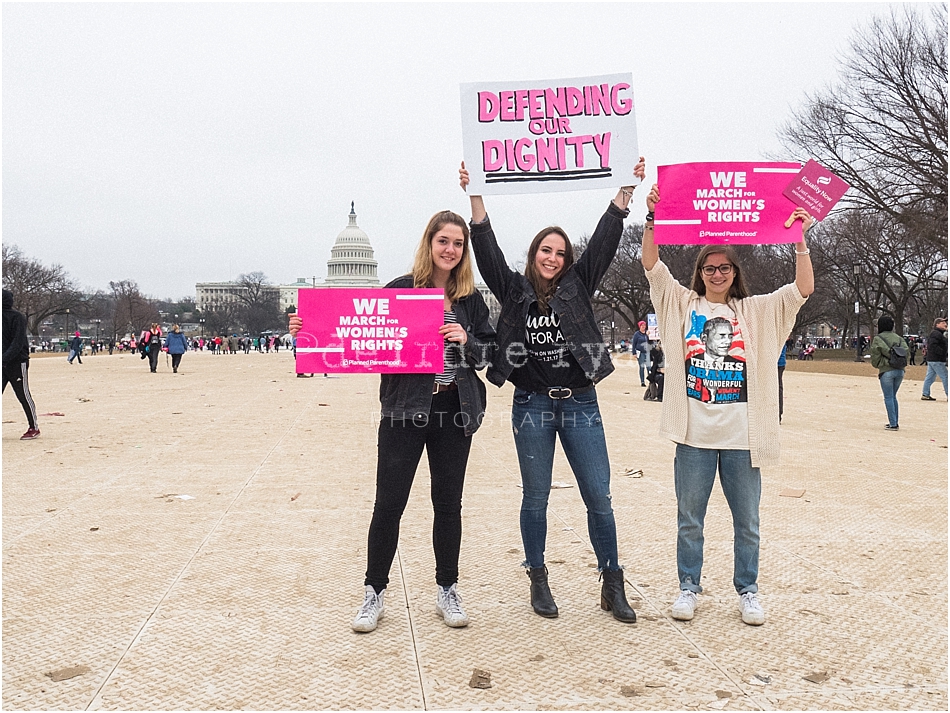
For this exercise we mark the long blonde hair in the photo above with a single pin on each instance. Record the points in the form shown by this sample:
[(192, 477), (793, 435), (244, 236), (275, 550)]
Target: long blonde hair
[(461, 282)]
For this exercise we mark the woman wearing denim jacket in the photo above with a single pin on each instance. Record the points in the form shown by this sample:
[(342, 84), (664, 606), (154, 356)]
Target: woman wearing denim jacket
[(435, 412), (550, 347), (720, 401)]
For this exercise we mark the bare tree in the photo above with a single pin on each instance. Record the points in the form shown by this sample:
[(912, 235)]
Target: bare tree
[(259, 303), (883, 126), (133, 311), (895, 274), (40, 291)]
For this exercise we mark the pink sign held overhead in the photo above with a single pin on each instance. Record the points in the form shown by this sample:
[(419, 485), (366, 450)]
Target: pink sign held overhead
[(736, 202), (816, 189), (370, 331)]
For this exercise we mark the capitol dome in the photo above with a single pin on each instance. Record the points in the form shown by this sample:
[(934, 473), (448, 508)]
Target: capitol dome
[(351, 260)]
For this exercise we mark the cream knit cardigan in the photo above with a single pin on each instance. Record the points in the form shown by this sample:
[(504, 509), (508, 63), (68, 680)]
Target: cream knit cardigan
[(764, 321)]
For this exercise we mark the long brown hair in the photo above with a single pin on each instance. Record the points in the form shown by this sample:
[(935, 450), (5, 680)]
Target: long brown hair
[(461, 282), (737, 290), (545, 289)]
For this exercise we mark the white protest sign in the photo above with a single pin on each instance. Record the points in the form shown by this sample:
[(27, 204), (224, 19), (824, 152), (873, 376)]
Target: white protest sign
[(549, 135)]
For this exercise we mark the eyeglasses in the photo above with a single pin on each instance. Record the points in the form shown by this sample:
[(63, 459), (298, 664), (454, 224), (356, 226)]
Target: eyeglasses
[(710, 270)]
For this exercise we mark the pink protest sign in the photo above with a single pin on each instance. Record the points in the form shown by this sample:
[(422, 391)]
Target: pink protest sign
[(360, 331), (735, 202), (816, 189)]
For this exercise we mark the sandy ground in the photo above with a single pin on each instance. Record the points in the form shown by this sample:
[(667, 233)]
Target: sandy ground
[(240, 595)]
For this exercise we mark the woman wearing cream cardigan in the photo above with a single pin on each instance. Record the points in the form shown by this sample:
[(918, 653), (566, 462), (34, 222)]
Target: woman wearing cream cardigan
[(720, 404)]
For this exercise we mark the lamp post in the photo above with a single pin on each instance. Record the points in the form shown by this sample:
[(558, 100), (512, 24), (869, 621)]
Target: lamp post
[(201, 321), (66, 329), (96, 322), (613, 315), (857, 312)]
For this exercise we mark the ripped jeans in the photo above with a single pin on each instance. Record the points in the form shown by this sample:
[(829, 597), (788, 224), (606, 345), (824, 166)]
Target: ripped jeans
[(536, 421)]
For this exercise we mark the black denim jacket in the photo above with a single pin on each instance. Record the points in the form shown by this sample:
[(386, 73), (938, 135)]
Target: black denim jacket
[(409, 396), (571, 299)]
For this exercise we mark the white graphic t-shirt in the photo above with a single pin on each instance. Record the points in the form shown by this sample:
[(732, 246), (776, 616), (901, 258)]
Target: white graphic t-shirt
[(716, 386)]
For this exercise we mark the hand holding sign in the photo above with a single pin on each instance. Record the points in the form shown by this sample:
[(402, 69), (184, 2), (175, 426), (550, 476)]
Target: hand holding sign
[(816, 189), (802, 215), (454, 333)]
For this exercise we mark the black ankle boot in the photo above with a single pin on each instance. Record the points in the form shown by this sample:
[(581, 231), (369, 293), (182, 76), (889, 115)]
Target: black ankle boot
[(613, 598), (541, 600)]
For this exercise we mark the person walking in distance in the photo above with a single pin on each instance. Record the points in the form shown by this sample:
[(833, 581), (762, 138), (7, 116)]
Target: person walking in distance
[(550, 348), (438, 413), (150, 342), (16, 363), (890, 370), (936, 358), (75, 349), (640, 346), (720, 404), (177, 345)]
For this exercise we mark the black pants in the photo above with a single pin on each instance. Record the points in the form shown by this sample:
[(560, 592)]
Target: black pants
[(400, 448), (153, 358), (16, 374), (176, 360)]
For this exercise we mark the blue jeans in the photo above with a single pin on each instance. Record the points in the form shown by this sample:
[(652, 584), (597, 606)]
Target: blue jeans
[(890, 383), (643, 360), (933, 371), (536, 421), (694, 472)]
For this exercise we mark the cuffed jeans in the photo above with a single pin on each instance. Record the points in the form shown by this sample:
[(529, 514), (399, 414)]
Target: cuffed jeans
[(694, 472), (933, 371), (537, 420), (400, 448), (890, 383)]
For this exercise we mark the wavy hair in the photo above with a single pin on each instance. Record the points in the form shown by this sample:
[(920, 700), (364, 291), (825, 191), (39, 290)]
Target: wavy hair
[(461, 282), (545, 289)]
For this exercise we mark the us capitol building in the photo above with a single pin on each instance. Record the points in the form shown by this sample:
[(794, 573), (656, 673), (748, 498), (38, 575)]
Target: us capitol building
[(351, 264)]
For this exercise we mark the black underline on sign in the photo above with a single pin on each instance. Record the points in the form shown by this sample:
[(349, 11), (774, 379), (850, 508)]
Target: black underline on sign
[(550, 176)]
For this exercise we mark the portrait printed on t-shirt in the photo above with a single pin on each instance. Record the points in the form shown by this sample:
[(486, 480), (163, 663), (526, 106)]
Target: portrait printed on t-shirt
[(715, 361)]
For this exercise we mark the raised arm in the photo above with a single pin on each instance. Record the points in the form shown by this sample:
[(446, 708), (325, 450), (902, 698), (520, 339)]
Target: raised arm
[(804, 273), (478, 205), (602, 246), (488, 255), (649, 255)]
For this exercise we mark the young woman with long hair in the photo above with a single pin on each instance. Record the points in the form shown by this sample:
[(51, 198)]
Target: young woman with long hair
[(550, 347), (720, 402), (436, 413)]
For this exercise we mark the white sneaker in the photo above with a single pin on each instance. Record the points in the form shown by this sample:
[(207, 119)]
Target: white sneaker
[(685, 605), (752, 612), (371, 611), (448, 605)]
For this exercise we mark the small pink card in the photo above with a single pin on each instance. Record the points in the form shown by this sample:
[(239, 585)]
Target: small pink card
[(736, 202), (370, 331), (816, 189)]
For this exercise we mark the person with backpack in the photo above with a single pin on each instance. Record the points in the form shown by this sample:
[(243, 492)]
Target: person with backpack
[(889, 357)]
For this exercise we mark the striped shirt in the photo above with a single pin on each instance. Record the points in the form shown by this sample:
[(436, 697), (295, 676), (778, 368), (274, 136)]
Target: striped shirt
[(452, 356)]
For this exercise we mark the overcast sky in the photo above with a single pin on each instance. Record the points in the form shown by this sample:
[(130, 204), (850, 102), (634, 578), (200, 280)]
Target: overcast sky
[(175, 144)]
